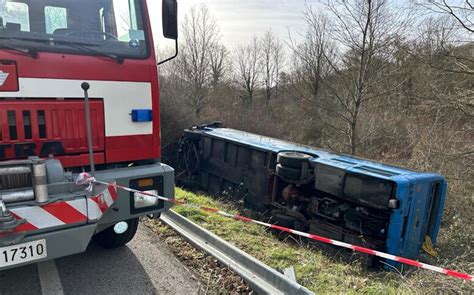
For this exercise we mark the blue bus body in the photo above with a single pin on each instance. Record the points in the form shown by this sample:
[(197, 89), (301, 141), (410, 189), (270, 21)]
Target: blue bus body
[(235, 159)]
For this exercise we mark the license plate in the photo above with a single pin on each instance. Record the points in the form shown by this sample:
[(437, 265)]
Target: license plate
[(22, 253)]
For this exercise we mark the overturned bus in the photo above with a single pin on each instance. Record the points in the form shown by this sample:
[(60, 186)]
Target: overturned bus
[(345, 198)]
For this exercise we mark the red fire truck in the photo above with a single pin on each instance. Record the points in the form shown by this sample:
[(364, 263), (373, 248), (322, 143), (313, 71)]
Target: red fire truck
[(78, 92)]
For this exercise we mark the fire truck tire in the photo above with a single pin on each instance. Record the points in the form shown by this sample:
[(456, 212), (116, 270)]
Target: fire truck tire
[(110, 240), (292, 159), (288, 172)]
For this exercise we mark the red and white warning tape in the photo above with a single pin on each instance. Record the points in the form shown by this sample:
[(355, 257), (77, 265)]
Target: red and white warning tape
[(303, 234)]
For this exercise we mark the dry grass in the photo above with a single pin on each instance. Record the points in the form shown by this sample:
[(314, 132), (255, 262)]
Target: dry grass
[(324, 272), (214, 278)]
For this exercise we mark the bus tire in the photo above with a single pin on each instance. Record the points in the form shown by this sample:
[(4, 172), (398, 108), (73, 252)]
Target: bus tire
[(292, 159), (288, 172)]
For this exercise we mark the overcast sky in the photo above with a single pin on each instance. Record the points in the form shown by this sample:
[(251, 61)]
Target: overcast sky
[(240, 20)]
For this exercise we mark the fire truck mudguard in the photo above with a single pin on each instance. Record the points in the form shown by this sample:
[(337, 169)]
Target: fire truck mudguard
[(345, 198)]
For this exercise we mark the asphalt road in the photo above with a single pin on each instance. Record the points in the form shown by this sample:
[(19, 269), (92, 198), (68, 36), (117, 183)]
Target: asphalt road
[(144, 266)]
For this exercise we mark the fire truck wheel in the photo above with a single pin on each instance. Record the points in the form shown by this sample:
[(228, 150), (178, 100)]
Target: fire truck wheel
[(109, 239), (292, 159)]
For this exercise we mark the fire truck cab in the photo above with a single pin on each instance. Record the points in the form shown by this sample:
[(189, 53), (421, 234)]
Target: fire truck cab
[(48, 49)]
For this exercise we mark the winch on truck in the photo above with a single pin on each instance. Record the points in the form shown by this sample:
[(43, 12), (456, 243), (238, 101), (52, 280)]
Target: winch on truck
[(78, 92)]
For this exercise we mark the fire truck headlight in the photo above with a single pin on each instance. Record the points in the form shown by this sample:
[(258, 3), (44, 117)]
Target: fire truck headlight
[(143, 201)]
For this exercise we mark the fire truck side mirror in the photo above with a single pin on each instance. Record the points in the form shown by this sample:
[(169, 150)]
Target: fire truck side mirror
[(170, 24), (170, 19)]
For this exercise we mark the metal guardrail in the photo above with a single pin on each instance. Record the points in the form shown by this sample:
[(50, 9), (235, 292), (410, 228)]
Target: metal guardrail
[(260, 277)]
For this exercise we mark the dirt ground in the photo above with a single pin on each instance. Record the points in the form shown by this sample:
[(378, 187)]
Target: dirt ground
[(216, 278)]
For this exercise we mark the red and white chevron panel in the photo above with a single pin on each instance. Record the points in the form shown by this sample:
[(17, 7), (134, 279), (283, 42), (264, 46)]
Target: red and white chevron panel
[(98, 205), (78, 211)]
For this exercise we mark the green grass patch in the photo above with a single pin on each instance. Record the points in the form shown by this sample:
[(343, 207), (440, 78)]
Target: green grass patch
[(314, 269)]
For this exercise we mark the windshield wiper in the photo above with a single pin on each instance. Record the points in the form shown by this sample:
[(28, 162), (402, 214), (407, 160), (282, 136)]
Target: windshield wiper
[(29, 52), (70, 43), (119, 59)]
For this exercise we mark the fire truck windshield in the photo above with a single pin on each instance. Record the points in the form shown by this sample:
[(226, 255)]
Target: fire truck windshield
[(114, 28)]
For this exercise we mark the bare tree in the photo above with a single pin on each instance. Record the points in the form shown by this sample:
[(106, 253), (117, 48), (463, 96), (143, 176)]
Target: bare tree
[(272, 62), (311, 66), (450, 31), (309, 69), (445, 98), (440, 49), (365, 32), (201, 35), (248, 69), (219, 63), (463, 13)]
